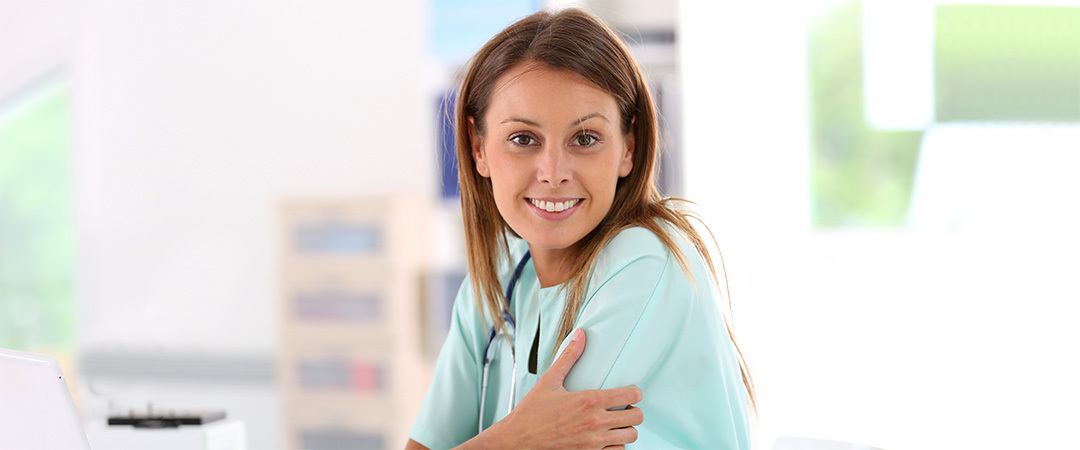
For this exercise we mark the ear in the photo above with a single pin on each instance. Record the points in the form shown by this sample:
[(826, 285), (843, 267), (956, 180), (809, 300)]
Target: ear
[(478, 150), (627, 163)]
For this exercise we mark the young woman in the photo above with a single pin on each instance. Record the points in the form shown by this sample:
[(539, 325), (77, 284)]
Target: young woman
[(567, 235)]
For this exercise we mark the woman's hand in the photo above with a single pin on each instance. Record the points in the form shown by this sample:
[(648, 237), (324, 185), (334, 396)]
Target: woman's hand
[(551, 417)]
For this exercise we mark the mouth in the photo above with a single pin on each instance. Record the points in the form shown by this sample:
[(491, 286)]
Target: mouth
[(554, 208), (554, 205)]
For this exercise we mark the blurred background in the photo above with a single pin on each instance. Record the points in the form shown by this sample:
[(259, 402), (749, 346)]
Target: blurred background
[(252, 207)]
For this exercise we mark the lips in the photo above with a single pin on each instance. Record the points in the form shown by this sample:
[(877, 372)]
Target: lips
[(554, 206)]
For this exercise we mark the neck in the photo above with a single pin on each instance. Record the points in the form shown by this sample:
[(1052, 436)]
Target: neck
[(550, 265)]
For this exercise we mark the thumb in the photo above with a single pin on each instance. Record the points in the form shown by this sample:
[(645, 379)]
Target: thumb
[(556, 374)]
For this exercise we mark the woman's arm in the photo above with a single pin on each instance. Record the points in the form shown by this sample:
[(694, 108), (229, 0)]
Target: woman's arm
[(551, 417), (650, 325)]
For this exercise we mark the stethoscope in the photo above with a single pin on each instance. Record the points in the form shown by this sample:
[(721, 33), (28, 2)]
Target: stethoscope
[(508, 319)]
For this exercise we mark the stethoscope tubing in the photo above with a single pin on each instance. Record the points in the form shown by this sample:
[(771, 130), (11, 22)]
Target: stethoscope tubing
[(509, 319)]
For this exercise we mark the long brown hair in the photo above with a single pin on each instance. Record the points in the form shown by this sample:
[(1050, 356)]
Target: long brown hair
[(578, 42)]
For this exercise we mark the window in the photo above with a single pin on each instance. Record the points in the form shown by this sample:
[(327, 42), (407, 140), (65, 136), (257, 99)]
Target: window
[(1001, 108), (37, 308)]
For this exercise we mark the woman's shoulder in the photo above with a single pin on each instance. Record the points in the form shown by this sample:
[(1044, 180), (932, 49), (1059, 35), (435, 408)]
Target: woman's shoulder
[(633, 243), (642, 251), (638, 243), (505, 266)]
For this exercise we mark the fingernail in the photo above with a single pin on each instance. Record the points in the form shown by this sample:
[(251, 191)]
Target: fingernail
[(577, 335)]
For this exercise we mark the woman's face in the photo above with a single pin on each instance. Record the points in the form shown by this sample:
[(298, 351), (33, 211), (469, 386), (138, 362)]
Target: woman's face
[(553, 149)]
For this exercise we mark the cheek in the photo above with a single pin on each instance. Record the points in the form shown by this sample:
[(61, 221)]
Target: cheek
[(614, 172), (507, 172), (505, 183)]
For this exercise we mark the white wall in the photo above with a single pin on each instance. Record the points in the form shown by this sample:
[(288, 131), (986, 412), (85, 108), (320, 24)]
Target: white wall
[(911, 339), (38, 39), (193, 119)]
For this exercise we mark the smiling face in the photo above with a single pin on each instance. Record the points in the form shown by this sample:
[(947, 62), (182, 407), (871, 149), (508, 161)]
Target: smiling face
[(554, 150)]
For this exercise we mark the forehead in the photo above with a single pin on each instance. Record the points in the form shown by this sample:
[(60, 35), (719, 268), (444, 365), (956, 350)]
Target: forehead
[(535, 92)]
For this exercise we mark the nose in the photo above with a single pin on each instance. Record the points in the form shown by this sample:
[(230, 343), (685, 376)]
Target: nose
[(553, 167)]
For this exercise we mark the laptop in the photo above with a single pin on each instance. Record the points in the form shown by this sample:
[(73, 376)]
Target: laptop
[(36, 410)]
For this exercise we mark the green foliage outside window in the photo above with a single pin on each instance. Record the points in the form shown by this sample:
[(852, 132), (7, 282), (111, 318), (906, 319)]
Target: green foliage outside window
[(859, 176), (37, 308), (992, 63), (1007, 63)]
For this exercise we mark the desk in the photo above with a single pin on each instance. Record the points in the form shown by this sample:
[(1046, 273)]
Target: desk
[(221, 435)]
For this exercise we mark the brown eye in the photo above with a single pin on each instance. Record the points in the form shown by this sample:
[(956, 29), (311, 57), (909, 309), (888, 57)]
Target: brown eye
[(585, 140), (522, 139)]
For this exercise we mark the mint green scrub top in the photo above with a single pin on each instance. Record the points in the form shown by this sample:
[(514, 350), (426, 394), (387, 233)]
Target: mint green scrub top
[(646, 325)]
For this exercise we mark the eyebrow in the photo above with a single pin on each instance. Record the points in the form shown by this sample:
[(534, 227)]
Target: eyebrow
[(522, 120), (573, 124), (589, 116)]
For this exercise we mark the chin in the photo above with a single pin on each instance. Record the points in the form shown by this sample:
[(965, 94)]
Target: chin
[(549, 241), (546, 245)]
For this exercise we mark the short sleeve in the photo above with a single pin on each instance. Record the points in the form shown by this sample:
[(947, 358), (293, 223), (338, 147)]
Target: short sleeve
[(448, 417), (620, 293), (649, 325)]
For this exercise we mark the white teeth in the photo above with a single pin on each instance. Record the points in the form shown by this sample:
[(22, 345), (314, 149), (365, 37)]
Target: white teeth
[(554, 206)]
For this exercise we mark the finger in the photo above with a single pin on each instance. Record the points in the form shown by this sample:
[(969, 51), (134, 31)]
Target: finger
[(556, 374), (615, 447), (626, 435), (629, 417), (612, 398)]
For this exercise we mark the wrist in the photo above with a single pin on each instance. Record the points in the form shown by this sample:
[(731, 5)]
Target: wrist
[(499, 435)]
